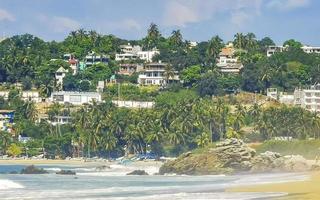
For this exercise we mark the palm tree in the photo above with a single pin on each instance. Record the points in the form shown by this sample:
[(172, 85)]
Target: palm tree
[(82, 33), (109, 142), (214, 47), (176, 38), (5, 139), (239, 41)]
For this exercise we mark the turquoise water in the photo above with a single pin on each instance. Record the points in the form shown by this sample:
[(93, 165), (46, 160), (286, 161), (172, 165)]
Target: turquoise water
[(89, 184)]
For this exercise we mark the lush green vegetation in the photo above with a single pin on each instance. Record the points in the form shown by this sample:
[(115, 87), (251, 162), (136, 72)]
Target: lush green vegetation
[(185, 115), (180, 121)]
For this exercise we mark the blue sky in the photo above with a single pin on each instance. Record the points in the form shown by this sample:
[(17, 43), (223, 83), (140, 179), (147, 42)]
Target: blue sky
[(198, 20)]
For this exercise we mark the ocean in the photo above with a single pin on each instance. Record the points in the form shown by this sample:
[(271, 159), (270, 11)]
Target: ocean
[(113, 184)]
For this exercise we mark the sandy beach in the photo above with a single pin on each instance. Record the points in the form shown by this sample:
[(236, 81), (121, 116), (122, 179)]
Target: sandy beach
[(307, 190)]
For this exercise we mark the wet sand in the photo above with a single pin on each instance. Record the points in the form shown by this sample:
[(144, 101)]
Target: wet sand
[(306, 190)]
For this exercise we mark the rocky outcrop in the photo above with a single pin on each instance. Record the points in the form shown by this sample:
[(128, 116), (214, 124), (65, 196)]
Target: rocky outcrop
[(138, 172), (234, 156), (33, 170)]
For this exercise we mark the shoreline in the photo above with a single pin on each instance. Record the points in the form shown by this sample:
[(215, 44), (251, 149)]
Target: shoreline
[(307, 189), (88, 163)]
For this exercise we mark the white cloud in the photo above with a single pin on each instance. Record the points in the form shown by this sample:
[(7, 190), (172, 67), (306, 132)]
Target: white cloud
[(6, 16), (59, 24), (177, 14), (285, 5), (63, 24), (182, 12)]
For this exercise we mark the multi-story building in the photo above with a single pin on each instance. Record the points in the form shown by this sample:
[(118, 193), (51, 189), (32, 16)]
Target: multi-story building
[(307, 49), (129, 52), (308, 98), (75, 98), (228, 62), (94, 58), (6, 120), (154, 74)]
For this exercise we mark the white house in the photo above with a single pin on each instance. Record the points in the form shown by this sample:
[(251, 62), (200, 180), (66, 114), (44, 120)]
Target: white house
[(308, 98), (129, 52), (154, 74), (273, 49), (94, 58), (59, 75), (227, 61), (24, 95), (307, 49), (75, 98), (147, 55)]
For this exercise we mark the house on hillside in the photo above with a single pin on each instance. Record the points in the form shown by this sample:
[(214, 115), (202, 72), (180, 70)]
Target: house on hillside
[(154, 74), (307, 49), (24, 95), (228, 62), (6, 120), (129, 52), (93, 58), (75, 98), (59, 75), (129, 68)]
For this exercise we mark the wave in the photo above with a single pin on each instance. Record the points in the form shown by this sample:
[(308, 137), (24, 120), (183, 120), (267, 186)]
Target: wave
[(54, 169), (8, 184)]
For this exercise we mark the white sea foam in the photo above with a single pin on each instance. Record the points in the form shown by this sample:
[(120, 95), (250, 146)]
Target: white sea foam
[(8, 184), (54, 169)]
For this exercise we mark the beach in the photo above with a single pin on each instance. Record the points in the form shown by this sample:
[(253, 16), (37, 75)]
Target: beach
[(306, 189)]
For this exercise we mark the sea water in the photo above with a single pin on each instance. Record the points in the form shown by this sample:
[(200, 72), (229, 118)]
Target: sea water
[(112, 183)]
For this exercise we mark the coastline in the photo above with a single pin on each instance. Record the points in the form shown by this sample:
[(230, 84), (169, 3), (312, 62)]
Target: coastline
[(88, 163), (307, 189)]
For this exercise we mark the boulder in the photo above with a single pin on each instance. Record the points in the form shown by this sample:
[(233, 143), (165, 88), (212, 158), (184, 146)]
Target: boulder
[(138, 172), (66, 172), (33, 170), (234, 156)]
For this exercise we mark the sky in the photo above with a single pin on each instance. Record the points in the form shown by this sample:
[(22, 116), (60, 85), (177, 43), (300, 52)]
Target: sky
[(198, 20)]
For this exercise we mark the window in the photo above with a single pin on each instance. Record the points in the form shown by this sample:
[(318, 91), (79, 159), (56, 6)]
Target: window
[(58, 98)]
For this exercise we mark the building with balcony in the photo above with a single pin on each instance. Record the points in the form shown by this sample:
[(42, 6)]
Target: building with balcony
[(75, 98), (228, 62), (129, 52), (308, 98), (93, 58), (307, 49), (154, 74)]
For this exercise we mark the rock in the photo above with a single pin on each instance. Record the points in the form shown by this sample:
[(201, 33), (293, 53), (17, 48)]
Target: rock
[(234, 156), (33, 170), (13, 172), (138, 172), (66, 172)]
